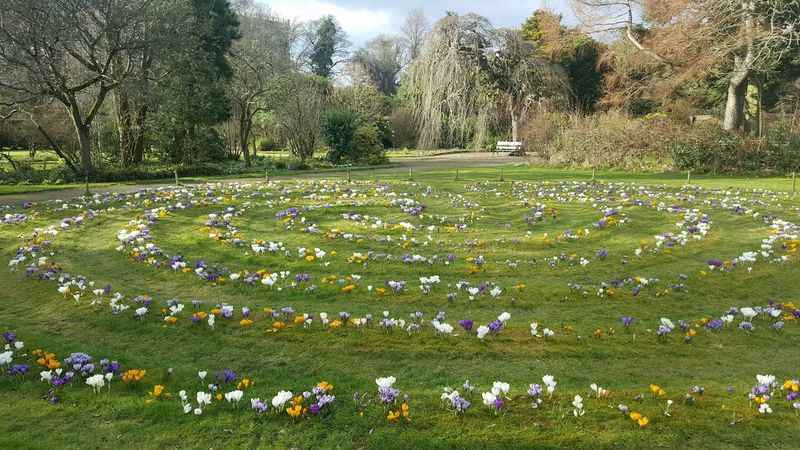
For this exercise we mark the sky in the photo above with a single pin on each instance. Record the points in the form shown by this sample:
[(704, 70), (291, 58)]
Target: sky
[(365, 19)]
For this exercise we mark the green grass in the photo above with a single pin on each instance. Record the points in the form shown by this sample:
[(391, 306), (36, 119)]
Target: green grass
[(43, 159), (296, 358)]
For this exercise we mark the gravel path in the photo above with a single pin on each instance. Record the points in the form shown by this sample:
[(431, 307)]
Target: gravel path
[(440, 162)]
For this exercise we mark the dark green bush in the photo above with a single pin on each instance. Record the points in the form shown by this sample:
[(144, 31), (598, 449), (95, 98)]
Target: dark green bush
[(367, 145), (385, 132), (355, 140), (339, 128)]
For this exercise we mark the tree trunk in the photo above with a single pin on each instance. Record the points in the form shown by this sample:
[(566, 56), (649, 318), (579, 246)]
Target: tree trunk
[(85, 142), (123, 113), (753, 114), (737, 90), (83, 130), (514, 128), (742, 66), (514, 119), (244, 134), (138, 141)]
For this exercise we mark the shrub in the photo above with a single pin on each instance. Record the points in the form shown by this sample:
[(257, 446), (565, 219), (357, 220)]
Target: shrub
[(607, 140), (708, 148), (339, 127), (384, 132), (367, 146), (781, 147)]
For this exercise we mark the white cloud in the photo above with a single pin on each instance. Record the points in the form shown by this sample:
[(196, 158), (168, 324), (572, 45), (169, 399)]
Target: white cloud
[(356, 22)]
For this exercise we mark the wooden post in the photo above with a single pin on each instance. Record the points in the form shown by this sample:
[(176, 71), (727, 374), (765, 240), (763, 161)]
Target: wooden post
[(266, 175), (348, 174), (410, 174), (794, 183), (688, 176), (176, 178), (501, 174), (86, 180), (593, 174), (456, 173)]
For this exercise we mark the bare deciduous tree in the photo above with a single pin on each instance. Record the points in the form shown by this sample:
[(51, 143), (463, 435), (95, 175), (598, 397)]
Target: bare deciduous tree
[(522, 78), (299, 104), (413, 33), (65, 50), (263, 52)]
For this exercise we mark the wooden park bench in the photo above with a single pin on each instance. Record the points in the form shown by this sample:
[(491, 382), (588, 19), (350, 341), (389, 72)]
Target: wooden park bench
[(509, 146)]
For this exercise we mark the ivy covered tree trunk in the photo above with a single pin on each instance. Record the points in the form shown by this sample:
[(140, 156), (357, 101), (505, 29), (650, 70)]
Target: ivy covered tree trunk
[(753, 102), (131, 123)]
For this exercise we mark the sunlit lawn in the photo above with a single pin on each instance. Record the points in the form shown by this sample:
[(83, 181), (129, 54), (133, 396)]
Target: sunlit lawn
[(626, 362)]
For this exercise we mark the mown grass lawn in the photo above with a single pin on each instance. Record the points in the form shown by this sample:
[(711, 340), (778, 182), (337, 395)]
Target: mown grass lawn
[(590, 344)]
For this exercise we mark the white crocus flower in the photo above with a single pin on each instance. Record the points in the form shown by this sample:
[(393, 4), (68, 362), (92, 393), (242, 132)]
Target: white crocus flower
[(234, 396), (385, 382), (280, 399), (96, 382)]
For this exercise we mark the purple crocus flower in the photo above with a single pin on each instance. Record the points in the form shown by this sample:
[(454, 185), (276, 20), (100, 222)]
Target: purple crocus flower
[(466, 324), (388, 394), (260, 407), (627, 321), (498, 403), (19, 369), (10, 337), (110, 366), (461, 404), (714, 324), (226, 376), (535, 390), (58, 381)]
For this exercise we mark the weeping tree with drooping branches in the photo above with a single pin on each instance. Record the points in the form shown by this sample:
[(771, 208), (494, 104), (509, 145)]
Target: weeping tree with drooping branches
[(444, 83), (469, 76)]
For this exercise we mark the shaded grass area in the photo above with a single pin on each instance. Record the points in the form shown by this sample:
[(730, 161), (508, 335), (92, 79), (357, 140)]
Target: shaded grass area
[(297, 358)]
